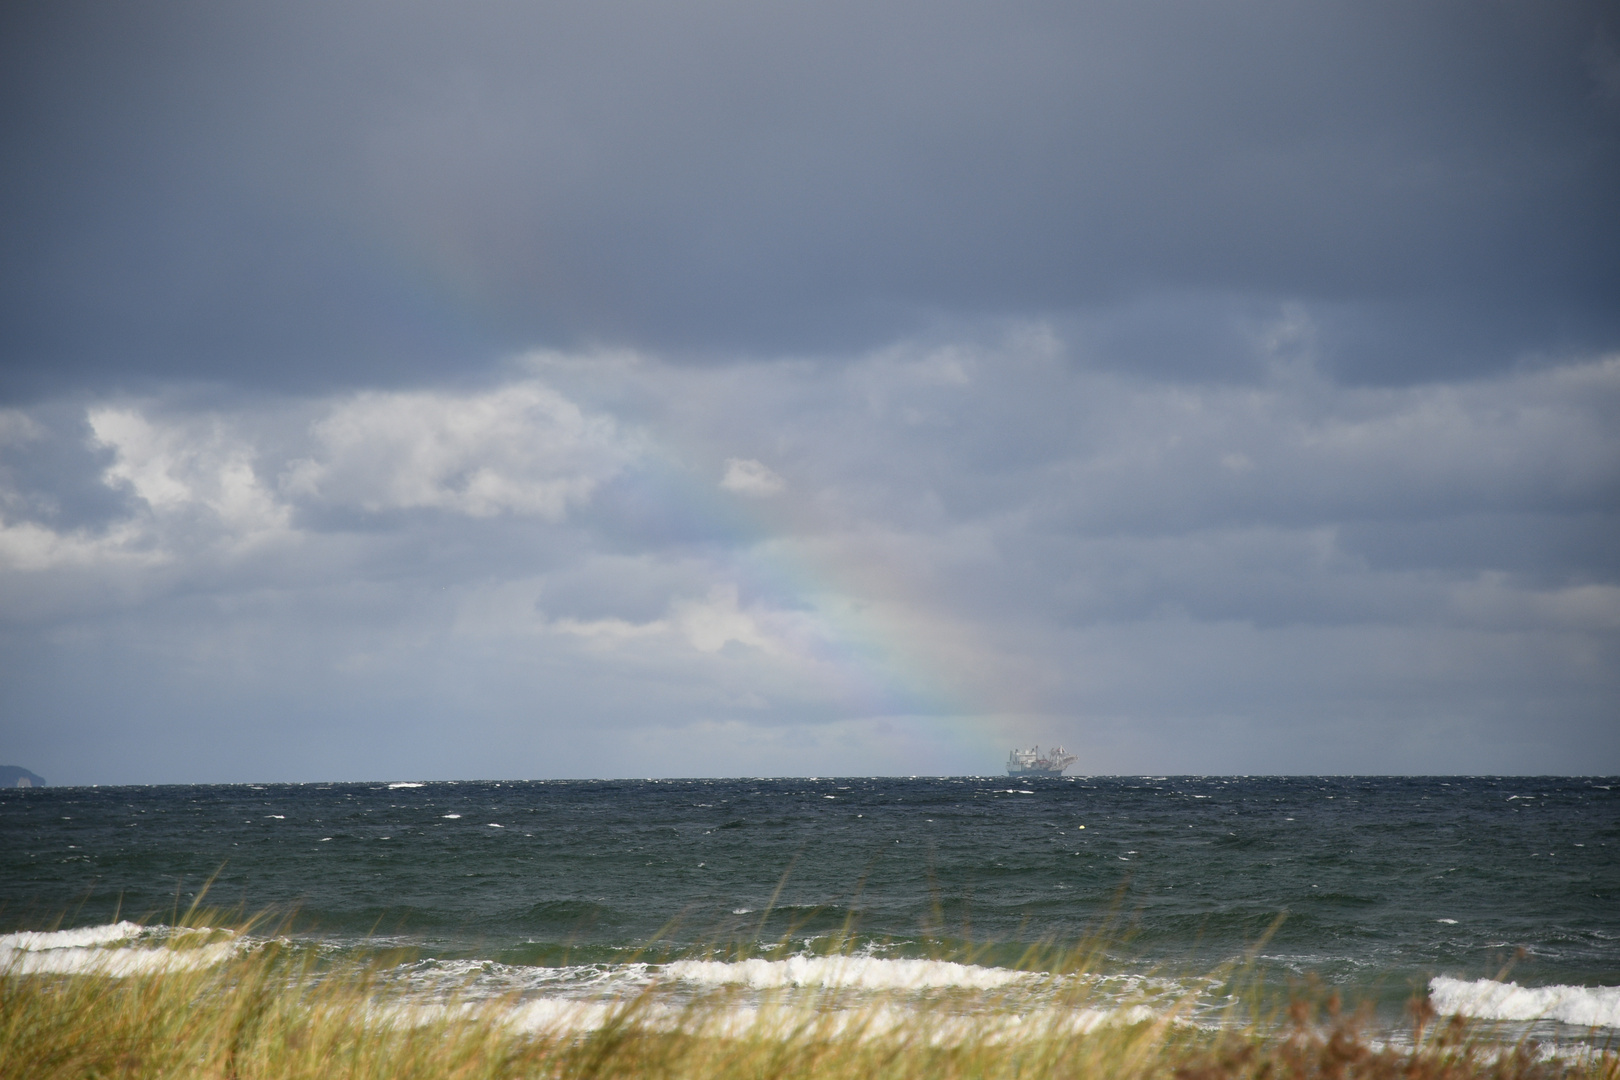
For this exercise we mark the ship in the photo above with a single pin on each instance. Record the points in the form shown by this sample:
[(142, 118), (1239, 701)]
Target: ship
[(1032, 762)]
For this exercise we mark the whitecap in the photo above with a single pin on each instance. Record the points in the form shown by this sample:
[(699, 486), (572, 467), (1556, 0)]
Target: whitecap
[(113, 950), (83, 938), (561, 1016), (856, 972), (1487, 999)]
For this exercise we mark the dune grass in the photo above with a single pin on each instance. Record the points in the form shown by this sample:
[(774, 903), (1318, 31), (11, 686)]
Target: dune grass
[(275, 1010)]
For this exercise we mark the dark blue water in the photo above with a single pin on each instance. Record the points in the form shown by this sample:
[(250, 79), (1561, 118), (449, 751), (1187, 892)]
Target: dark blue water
[(1380, 884)]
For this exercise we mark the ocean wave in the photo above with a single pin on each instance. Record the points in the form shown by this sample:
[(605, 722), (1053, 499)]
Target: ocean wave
[(84, 937), (475, 980), (561, 1016), (1487, 999), (867, 1022), (800, 978), (853, 972), (487, 979), (768, 998), (777, 997), (117, 950)]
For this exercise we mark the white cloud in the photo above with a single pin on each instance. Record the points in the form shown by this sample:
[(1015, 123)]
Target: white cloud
[(195, 486), (715, 621), (521, 449), (198, 480), (29, 546), (609, 633), (748, 477), (707, 625), (174, 466)]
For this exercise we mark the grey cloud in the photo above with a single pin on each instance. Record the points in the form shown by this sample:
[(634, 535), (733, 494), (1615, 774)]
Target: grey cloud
[(544, 389), (979, 532), (50, 468), (1547, 548), (307, 196)]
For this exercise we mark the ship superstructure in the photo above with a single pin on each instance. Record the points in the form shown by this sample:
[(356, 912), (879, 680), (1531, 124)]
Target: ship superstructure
[(1032, 762)]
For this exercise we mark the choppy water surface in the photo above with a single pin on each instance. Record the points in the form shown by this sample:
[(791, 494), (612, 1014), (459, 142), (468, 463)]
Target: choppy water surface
[(1498, 896)]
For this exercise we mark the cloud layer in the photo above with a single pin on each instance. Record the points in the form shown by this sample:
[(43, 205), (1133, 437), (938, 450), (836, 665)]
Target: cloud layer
[(893, 564)]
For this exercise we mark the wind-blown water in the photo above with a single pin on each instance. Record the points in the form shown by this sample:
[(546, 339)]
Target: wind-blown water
[(1499, 897)]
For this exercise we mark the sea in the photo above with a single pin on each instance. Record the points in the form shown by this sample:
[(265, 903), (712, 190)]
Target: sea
[(1497, 898)]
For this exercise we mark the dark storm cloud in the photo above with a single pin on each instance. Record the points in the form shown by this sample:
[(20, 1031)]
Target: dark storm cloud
[(302, 195)]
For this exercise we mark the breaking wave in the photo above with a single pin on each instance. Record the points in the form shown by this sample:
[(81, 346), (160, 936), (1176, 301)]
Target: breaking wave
[(862, 994), (562, 1016), (1487, 999), (853, 972), (119, 950)]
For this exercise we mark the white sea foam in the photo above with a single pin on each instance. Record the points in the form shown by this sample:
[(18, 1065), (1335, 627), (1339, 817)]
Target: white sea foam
[(564, 1016), (561, 1015), (118, 950), (488, 979), (84, 937), (854, 972), (1487, 999), (579, 998), (476, 980), (799, 979), (403, 783), (872, 1020), (116, 963)]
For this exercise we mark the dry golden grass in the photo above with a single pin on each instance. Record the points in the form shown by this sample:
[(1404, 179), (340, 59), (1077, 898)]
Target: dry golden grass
[(271, 1011)]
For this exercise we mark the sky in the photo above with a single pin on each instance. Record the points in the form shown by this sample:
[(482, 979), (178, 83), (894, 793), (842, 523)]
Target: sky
[(525, 390)]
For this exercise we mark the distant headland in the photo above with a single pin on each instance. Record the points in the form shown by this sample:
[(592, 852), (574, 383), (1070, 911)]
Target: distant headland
[(16, 776)]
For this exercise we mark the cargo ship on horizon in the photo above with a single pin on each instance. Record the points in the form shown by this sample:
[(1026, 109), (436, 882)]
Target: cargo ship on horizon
[(1032, 762)]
